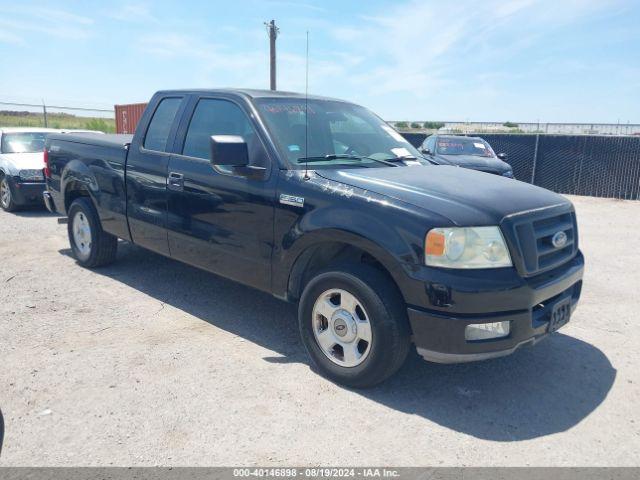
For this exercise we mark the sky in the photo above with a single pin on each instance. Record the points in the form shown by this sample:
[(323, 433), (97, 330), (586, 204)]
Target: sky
[(463, 60)]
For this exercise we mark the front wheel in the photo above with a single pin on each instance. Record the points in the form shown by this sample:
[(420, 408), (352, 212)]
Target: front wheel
[(6, 199), (91, 245), (355, 330)]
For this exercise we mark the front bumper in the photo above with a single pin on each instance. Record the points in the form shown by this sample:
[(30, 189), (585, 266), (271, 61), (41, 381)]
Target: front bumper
[(26, 193), (439, 333)]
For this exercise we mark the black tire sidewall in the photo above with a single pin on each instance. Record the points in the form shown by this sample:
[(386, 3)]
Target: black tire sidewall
[(385, 316), (83, 205)]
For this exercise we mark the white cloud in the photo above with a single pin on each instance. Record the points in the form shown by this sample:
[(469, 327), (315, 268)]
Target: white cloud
[(168, 45), (49, 21), (67, 32), (60, 16), (420, 44), (293, 5), (212, 64), (45, 13), (403, 58), (12, 38), (131, 12)]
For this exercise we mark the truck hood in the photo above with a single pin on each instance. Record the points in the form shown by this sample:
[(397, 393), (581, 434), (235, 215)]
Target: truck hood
[(14, 162), (474, 161), (466, 197)]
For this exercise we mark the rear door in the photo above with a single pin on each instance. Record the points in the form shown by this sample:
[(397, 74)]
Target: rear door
[(221, 218), (147, 164)]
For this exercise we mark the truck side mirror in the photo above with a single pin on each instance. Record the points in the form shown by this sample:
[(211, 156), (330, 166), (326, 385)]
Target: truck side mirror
[(229, 150), (425, 150), (503, 156)]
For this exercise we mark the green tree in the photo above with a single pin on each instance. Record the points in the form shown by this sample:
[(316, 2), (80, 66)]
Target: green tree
[(401, 125), (415, 125), (510, 125), (432, 125)]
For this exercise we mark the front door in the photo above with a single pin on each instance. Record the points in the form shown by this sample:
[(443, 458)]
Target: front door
[(221, 218)]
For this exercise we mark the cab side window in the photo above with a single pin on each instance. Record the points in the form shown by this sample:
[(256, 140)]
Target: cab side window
[(221, 117), (160, 125)]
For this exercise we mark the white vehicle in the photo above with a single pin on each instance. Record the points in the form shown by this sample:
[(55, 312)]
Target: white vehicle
[(21, 166), (81, 131)]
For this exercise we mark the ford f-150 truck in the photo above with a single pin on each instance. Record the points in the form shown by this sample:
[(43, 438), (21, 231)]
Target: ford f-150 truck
[(318, 201)]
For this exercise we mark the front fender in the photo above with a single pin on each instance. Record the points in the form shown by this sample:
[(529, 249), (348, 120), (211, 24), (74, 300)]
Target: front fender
[(387, 230), (354, 226), (7, 167), (296, 257)]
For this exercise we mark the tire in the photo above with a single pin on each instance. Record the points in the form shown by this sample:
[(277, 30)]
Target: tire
[(378, 301), (91, 246), (6, 199)]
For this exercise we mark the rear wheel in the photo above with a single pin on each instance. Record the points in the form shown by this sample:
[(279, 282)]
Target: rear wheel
[(91, 246), (6, 199), (355, 330)]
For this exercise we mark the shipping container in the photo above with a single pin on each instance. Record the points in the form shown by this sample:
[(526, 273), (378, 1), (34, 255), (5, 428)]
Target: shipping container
[(128, 116)]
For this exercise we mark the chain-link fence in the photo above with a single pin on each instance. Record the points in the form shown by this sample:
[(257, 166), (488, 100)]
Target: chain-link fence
[(599, 166), (463, 128), (25, 114)]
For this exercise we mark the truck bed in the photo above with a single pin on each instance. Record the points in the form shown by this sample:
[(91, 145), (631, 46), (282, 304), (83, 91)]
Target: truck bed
[(96, 165), (98, 139)]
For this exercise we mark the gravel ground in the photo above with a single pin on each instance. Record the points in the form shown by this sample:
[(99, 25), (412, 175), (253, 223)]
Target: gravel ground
[(151, 362)]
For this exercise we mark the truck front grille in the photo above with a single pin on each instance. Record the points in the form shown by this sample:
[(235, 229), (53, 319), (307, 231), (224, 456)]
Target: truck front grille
[(531, 238)]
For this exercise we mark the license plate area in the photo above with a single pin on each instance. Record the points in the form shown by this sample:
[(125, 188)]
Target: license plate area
[(560, 314)]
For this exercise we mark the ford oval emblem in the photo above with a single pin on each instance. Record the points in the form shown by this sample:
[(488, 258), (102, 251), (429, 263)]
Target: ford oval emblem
[(559, 239)]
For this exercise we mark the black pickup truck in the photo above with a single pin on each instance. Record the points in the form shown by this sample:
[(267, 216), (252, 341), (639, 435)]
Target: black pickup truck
[(318, 201)]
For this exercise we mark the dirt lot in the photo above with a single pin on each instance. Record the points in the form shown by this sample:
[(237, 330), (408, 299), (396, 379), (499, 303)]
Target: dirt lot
[(151, 362)]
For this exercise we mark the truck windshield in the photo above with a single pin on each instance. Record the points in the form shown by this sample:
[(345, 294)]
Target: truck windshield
[(339, 133), (23, 142), (464, 146)]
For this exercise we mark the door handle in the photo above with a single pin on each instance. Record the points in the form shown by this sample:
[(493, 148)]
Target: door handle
[(175, 181)]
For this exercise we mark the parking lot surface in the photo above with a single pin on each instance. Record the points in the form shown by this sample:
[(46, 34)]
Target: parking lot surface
[(152, 362)]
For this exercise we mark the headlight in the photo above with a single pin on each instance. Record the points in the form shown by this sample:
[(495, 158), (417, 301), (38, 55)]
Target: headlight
[(466, 247), (508, 174), (30, 175)]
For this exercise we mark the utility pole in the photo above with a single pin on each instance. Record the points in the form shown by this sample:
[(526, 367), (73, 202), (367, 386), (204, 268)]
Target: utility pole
[(273, 31), (44, 114)]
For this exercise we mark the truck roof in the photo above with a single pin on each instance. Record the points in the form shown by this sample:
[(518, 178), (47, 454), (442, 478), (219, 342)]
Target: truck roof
[(251, 93)]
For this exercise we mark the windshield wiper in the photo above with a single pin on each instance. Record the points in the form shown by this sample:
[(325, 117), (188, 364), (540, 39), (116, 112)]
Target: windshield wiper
[(337, 156)]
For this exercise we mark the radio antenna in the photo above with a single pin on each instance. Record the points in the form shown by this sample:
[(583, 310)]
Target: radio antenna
[(306, 114)]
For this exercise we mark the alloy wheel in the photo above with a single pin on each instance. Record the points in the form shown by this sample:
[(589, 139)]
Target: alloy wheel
[(342, 328)]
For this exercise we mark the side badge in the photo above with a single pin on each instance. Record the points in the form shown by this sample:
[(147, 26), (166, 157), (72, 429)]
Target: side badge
[(291, 200)]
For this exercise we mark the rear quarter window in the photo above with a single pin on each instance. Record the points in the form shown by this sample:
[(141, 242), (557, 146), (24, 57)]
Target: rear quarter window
[(160, 125)]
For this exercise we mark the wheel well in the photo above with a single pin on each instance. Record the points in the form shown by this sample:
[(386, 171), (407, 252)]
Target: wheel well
[(323, 255), (71, 193)]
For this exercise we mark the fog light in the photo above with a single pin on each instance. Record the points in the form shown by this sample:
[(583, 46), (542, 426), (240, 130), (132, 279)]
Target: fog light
[(485, 331)]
